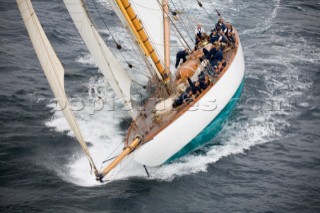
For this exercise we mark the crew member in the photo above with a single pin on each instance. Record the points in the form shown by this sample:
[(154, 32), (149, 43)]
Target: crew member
[(181, 55), (199, 33)]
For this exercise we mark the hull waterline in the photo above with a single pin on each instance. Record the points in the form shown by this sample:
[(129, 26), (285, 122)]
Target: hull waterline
[(211, 130)]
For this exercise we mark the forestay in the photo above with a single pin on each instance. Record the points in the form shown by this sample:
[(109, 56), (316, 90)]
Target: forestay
[(51, 67), (106, 61)]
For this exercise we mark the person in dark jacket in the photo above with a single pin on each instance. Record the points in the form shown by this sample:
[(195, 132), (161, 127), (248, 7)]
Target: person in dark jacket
[(181, 55), (229, 32), (219, 55), (185, 97), (213, 37), (195, 87), (220, 25), (204, 82), (210, 54)]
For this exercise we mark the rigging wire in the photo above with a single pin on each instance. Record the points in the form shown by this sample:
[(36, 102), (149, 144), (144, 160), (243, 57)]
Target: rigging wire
[(145, 64), (208, 64), (176, 34), (187, 15), (121, 167), (175, 26), (116, 173), (133, 47), (187, 18), (206, 12), (108, 157), (183, 24), (218, 13), (201, 5), (110, 34), (202, 67), (130, 65), (118, 45), (150, 40), (148, 75), (150, 67)]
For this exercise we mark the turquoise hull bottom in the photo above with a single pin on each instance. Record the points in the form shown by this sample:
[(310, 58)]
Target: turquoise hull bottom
[(212, 129)]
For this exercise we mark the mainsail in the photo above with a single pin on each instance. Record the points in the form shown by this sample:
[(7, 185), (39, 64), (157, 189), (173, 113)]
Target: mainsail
[(107, 63), (52, 68)]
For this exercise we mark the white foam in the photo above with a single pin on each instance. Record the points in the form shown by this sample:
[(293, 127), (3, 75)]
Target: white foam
[(87, 59)]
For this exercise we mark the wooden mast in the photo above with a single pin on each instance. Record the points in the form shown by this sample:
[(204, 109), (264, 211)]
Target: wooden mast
[(166, 35), (136, 26)]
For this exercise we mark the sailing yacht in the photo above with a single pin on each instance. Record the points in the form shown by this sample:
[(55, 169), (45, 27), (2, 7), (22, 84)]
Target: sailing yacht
[(158, 131)]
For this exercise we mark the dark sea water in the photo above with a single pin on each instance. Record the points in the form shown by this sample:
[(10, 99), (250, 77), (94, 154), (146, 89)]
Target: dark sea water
[(265, 159)]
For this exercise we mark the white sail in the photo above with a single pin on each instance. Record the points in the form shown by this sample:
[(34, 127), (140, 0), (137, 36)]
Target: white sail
[(107, 63), (51, 67), (151, 15), (135, 40)]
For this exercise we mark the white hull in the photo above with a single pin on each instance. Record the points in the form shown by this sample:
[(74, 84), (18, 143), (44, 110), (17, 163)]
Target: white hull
[(179, 133)]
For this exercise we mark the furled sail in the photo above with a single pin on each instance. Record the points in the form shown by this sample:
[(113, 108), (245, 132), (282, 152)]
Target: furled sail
[(51, 67), (106, 61)]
